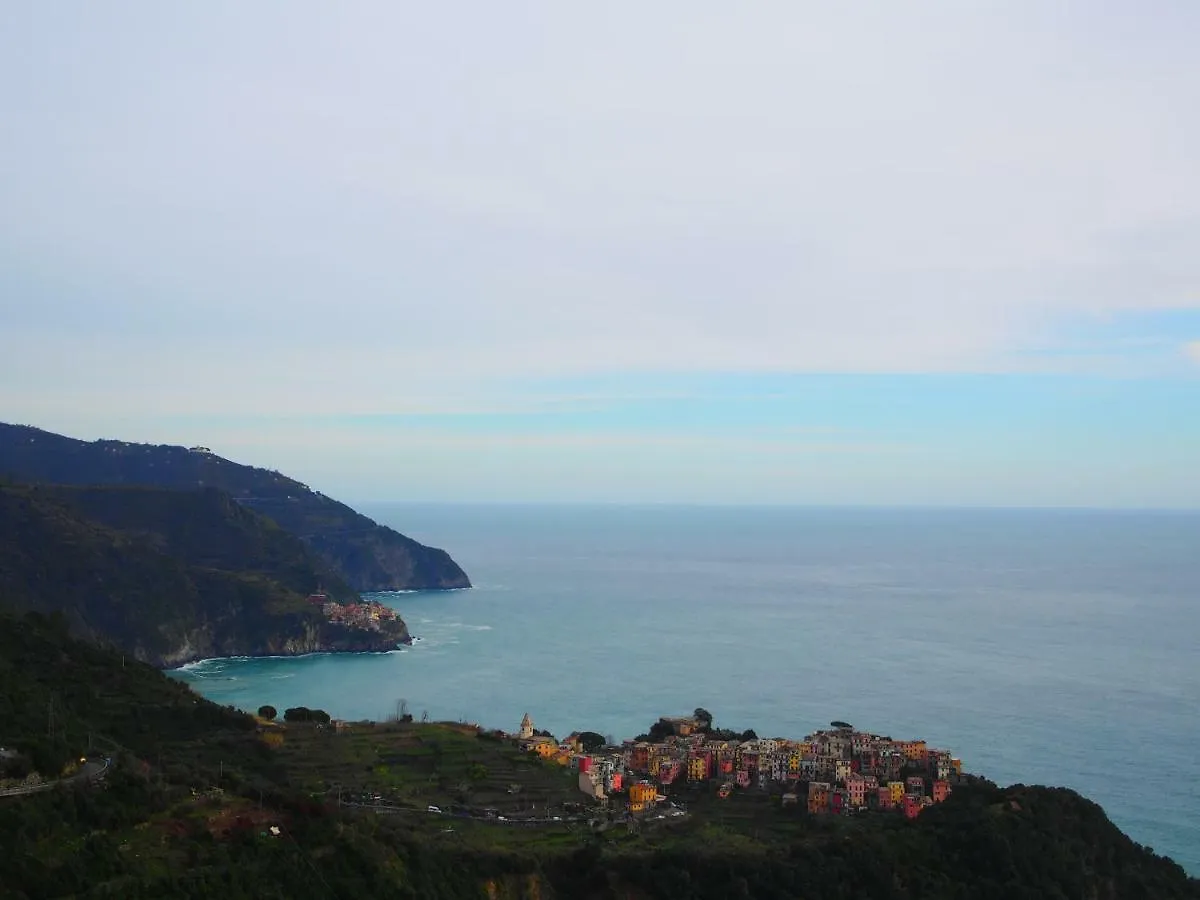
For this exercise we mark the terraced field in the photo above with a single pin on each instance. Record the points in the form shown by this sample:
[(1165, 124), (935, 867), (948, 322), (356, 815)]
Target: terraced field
[(416, 766)]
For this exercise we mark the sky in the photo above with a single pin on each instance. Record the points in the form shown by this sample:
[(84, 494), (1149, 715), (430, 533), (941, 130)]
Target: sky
[(934, 253)]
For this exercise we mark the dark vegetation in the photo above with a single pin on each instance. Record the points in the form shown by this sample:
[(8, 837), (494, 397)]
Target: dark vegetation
[(366, 556), (188, 809), (167, 576), (591, 740), (304, 714)]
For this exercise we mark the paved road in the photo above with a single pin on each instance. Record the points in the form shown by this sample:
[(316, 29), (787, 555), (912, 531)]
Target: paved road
[(92, 771)]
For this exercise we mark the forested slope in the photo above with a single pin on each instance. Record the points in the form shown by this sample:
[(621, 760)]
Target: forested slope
[(368, 556), (168, 576)]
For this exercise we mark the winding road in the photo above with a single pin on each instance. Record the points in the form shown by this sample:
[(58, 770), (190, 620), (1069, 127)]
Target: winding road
[(92, 771)]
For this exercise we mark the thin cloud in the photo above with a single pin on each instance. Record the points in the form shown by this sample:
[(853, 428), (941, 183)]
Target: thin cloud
[(206, 220), (854, 188)]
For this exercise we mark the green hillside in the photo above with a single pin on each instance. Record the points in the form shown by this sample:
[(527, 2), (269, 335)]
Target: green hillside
[(168, 576), (367, 556)]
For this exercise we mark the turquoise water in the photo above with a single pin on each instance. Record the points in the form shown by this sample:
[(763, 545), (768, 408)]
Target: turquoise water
[(1042, 647)]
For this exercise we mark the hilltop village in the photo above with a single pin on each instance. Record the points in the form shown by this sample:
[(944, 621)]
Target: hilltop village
[(368, 614), (836, 771)]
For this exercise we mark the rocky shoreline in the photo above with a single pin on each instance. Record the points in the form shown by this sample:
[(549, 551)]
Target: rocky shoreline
[(323, 638)]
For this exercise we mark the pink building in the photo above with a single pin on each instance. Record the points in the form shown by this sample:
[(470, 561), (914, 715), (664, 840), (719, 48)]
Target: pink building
[(856, 790), (941, 790)]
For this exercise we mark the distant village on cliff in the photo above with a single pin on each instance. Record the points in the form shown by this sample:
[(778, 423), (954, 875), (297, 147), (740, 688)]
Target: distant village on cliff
[(835, 771)]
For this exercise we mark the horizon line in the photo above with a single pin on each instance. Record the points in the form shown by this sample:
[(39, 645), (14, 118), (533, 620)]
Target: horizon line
[(815, 507)]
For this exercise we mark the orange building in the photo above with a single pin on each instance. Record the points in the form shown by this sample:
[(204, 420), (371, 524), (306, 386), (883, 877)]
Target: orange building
[(641, 795), (818, 797)]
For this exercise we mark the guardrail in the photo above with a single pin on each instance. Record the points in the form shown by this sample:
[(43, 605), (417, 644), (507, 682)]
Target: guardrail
[(89, 777)]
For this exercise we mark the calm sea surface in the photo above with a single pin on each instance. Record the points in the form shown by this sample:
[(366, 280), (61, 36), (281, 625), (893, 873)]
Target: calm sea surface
[(1042, 647)]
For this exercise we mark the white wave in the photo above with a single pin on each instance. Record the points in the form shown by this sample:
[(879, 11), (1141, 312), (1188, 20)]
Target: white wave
[(215, 664)]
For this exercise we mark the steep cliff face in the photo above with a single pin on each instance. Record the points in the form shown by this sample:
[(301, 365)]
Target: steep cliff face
[(380, 559), (185, 576), (366, 555), (296, 640)]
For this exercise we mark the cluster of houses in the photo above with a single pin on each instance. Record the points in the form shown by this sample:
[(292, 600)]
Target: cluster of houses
[(836, 771), (367, 614)]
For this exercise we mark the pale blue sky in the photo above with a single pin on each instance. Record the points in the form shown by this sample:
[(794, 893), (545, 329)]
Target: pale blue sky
[(931, 253)]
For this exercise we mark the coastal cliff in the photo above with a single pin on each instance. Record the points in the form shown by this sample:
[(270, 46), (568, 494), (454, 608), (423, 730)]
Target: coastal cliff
[(170, 577), (365, 555), (309, 637)]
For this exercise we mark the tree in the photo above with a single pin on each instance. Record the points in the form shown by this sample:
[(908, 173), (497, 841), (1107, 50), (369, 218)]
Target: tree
[(703, 717), (304, 714), (590, 740), (658, 733), (268, 712)]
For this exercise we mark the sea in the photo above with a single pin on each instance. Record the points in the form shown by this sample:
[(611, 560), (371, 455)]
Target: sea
[(1057, 647)]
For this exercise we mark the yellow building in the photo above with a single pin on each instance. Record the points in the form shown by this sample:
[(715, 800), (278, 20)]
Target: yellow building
[(896, 790), (697, 769), (794, 761), (641, 795)]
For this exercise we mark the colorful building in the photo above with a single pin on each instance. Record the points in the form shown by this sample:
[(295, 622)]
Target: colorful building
[(856, 791), (818, 797), (641, 796)]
